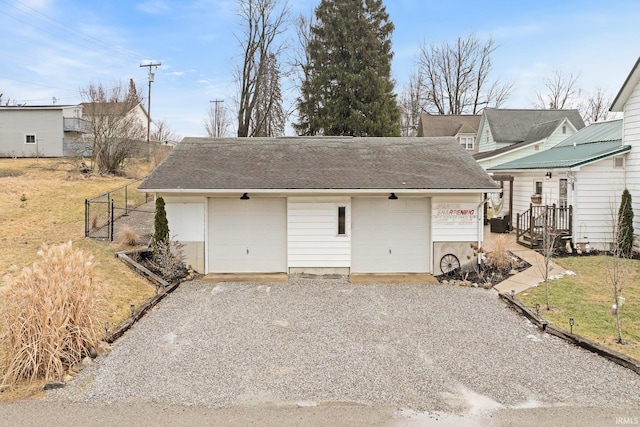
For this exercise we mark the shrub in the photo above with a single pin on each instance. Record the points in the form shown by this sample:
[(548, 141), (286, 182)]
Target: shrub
[(128, 236), (168, 259), (51, 315), (625, 224), (160, 225), (499, 257)]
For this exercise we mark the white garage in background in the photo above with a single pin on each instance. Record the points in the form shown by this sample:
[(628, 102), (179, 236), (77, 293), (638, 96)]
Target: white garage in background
[(390, 236), (247, 236), (322, 205)]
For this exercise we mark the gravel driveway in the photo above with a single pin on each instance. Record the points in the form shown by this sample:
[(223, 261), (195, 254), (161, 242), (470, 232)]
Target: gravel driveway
[(327, 342)]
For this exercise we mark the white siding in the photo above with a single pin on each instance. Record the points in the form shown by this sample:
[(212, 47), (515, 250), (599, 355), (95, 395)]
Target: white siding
[(556, 138), (598, 188), (186, 218), (631, 136), (45, 124), (455, 218), (312, 224), (485, 138)]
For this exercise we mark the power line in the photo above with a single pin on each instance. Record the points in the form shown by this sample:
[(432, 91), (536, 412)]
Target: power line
[(60, 26)]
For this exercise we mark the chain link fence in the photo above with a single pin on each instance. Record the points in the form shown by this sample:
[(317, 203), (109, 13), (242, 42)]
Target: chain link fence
[(102, 211)]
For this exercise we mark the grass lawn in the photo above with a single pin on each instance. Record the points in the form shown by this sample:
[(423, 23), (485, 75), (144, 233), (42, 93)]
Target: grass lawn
[(588, 296), (52, 212)]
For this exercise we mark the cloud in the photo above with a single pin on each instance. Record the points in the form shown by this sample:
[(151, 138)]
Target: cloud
[(153, 7), (176, 73)]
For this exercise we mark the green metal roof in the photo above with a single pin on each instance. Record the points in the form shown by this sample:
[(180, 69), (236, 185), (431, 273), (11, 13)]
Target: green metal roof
[(594, 142), (595, 132), (566, 156)]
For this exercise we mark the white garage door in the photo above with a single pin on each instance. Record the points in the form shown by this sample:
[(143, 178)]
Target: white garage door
[(247, 236), (390, 236)]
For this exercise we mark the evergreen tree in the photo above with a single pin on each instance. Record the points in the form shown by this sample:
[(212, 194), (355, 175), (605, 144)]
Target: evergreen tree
[(161, 225), (348, 88), (625, 224)]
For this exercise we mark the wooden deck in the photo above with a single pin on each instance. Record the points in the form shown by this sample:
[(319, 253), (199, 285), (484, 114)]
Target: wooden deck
[(531, 224)]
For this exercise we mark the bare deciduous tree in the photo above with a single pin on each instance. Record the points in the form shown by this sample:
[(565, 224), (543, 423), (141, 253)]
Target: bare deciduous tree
[(561, 91), (162, 132), (596, 108), (410, 106), (117, 134), (262, 22), (457, 77), (217, 121)]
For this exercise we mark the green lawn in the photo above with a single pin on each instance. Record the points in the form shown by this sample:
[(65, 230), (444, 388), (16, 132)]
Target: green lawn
[(588, 296)]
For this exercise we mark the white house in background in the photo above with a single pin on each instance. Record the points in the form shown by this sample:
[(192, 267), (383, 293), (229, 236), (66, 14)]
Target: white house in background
[(324, 204), (39, 131), (463, 127), (505, 135), (628, 102), (579, 180)]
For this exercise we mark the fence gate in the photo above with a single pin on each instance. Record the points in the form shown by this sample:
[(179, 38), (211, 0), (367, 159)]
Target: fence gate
[(101, 212)]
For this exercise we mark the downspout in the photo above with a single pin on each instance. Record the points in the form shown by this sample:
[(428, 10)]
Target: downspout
[(480, 227)]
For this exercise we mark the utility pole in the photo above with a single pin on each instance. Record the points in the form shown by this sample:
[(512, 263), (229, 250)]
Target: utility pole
[(151, 76), (216, 129)]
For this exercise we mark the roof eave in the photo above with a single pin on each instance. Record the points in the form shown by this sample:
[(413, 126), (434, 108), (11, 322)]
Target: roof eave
[(623, 95), (324, 191)]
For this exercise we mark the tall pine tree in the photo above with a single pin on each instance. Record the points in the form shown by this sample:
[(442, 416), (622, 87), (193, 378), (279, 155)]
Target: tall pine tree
[(348, 88)]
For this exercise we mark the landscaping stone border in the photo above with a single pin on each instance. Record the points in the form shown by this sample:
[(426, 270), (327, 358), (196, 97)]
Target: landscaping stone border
[(580, 341)]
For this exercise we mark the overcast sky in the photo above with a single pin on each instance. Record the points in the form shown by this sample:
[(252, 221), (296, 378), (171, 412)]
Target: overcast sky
[(51, 48)]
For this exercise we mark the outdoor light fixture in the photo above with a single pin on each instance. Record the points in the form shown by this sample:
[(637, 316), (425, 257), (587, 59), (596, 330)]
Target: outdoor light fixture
[(393, 196), (537, 309), (571, 323), (548, 175), (513, 293), (133, 309), (245, 196)]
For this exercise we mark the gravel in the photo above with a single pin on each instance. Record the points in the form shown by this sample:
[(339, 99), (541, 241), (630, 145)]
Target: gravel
[(327, 342)]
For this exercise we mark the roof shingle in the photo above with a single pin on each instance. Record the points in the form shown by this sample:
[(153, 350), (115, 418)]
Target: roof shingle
[(318, 163)]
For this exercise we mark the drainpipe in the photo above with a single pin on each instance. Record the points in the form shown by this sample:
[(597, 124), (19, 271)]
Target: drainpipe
[(480, 225)]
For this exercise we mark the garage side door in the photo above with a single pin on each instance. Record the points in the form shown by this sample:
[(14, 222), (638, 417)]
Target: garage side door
[(390, 236), (247, 236)]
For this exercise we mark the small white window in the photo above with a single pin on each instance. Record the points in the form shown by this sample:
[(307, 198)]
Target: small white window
[(618, 162), (537, 187), (467, 142), (342, 220), (564, 129), (29, 139)]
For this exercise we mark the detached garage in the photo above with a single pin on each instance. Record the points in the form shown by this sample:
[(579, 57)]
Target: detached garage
[(322, 204)]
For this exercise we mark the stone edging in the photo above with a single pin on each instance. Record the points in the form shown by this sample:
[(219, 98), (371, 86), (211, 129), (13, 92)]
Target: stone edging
[(580, 341)]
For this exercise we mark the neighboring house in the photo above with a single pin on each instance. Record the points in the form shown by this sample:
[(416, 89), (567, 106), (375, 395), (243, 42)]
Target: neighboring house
[(628, 102), (464, 128), (323, 204), (39, 131), (580, 180), (505, 135)]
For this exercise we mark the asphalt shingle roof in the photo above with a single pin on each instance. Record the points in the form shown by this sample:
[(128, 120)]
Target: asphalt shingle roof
[(511, 125), (318, 163), (448, 125)]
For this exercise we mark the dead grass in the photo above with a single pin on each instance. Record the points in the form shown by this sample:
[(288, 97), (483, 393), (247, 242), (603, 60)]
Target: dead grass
[(588, 296), (53, 213), (498, 255), (128, 236), (51, 315)]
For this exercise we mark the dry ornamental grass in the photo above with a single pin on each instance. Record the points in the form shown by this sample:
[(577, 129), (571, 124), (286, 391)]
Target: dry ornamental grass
[(51, 315)]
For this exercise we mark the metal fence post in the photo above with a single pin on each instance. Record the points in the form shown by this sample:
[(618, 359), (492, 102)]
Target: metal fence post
[(112, 222), (86, 217)]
